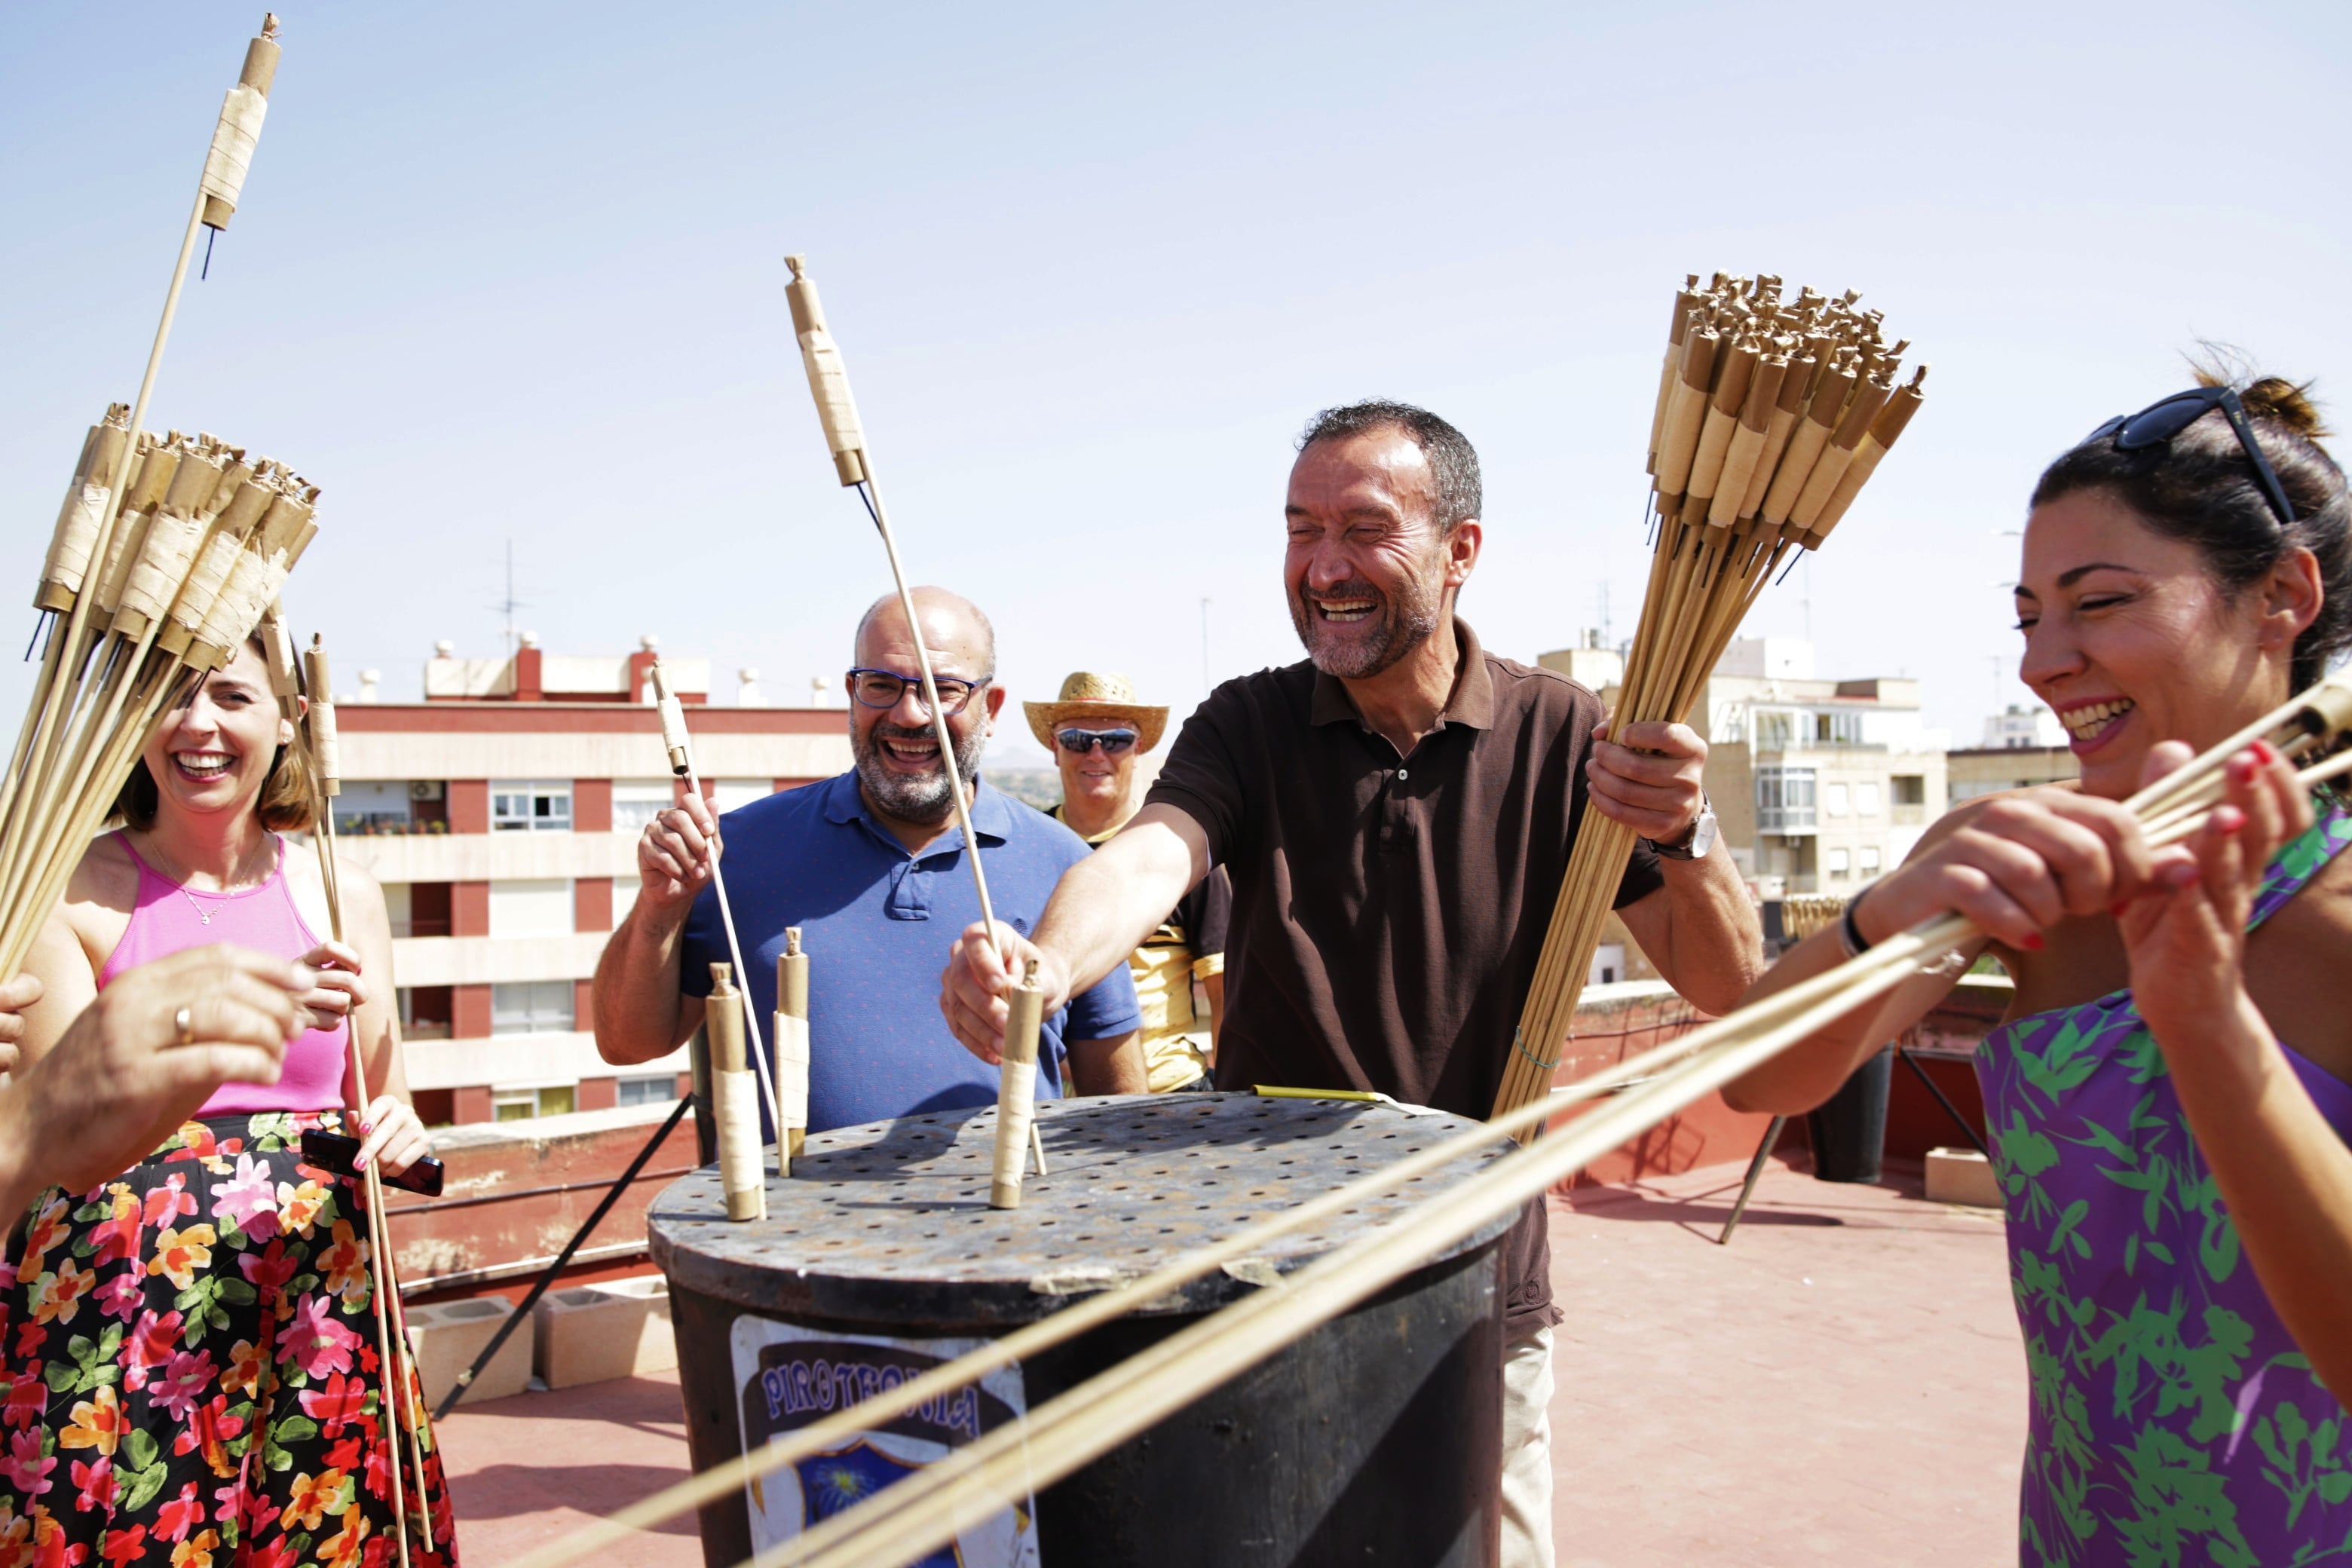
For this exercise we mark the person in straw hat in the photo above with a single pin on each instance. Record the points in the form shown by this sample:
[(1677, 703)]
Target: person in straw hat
[(1096, 730)]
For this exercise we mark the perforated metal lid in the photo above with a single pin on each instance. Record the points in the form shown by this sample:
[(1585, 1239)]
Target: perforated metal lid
[(889, 1223)]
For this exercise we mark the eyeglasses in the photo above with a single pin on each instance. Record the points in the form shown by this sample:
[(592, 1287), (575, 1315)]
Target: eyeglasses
[(1078, 743), (884, 689), (2167, 417)]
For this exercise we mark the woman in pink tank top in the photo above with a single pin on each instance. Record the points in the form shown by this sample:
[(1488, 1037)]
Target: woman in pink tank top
[(227, 1281)]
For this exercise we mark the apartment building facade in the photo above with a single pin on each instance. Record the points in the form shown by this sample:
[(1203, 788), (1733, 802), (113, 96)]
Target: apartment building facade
[(2023, 747), (1821, 785), (501, 815)]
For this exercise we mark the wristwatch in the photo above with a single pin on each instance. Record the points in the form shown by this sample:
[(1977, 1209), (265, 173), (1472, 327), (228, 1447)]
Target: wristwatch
[(1697, 843)]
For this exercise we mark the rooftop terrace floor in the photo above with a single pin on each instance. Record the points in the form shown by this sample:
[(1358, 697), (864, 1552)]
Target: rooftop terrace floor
[(1843, 1384)]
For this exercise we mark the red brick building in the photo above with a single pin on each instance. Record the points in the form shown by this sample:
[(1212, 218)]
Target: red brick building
[(501, 815)]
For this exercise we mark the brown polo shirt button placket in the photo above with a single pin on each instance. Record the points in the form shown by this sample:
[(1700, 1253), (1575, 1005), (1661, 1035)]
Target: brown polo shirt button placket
[(1388, 911)]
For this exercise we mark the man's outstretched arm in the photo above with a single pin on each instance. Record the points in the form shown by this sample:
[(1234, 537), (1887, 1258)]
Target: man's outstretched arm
[(1101, 909)]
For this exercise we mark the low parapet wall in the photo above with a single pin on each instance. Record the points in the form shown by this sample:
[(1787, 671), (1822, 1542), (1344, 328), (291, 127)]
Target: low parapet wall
[(1614, 1023), (517, 1190)]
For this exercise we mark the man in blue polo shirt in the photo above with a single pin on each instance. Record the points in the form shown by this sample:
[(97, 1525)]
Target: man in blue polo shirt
[(870, 866)]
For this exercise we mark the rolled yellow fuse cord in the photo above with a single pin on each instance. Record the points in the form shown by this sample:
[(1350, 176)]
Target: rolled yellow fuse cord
[(792, 1031), (1016, 1089), (735, 1097)]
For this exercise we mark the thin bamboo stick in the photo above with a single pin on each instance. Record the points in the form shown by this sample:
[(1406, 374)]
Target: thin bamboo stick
[(680, 746), (854, 462), (324, 749)]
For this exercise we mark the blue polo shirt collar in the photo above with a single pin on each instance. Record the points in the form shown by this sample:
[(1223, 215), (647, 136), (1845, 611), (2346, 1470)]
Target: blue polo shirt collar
[(845, 803)]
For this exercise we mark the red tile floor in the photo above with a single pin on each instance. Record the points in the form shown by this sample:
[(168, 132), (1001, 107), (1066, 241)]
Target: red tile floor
[(1843, 1384)]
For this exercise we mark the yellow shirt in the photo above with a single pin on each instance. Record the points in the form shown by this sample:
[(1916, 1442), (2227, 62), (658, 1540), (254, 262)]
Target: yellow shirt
[(1176, 1037)]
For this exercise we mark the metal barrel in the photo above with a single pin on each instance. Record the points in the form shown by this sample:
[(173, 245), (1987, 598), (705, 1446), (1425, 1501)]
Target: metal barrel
[(1377, 1437)]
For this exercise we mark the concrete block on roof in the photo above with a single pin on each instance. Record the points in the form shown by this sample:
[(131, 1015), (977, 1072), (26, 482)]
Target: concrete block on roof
[(593, 1333), (1962, 1176), (444, 1339)]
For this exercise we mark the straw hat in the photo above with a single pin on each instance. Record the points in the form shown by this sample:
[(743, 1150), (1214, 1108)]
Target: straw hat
[(1094, 702)]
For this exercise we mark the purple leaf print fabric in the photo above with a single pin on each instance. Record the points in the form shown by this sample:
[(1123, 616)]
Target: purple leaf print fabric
[(2173, 1420)]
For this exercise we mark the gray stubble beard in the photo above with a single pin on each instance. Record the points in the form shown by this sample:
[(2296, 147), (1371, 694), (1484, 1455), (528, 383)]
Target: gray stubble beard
[(925, 799), (1405, 625)]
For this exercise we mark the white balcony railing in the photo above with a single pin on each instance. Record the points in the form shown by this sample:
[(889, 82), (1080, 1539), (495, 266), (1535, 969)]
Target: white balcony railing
[(494, 959), (491, 857)]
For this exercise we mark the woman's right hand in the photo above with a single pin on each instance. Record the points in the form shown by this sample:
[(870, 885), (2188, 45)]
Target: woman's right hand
[(2017, 866), (149, 1052), (676, 852), (340, 991)]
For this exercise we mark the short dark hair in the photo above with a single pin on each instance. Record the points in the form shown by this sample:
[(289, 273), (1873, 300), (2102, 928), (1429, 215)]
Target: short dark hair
[(2201, 488), (1452, 462)]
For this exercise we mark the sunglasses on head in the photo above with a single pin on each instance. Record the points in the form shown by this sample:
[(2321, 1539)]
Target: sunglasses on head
[(2160, 421), (1078, 743)]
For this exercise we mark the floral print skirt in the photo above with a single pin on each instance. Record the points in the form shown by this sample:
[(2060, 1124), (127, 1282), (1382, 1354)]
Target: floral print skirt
[(188, 1368)]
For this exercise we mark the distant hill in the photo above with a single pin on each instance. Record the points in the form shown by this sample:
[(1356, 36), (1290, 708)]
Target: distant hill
[(1041, 787)]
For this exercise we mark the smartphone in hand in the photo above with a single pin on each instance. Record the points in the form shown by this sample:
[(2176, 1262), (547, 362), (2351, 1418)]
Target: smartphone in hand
[(336, 1151)]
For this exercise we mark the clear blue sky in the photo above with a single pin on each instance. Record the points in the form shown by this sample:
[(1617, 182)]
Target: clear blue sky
[(514, 272)]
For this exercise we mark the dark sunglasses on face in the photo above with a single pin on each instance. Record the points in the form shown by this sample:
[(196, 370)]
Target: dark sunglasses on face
[(1078, 743), (2160, 421), (884, 688)]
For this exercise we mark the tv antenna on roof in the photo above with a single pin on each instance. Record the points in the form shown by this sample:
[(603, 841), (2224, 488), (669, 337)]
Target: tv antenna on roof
[(510, 604)]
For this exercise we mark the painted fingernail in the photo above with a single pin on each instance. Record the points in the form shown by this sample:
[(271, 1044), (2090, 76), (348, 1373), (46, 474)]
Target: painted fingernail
[(2264, 753), (360, 1163), (2229, 818), (366, 1128), (2035, 942)]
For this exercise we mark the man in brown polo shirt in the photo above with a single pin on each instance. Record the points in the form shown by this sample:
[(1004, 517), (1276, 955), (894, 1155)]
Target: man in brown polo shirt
[(1396, 814)]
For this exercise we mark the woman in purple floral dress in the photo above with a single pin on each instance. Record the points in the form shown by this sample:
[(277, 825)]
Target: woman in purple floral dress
[(2170, 1095), (189, 1367)]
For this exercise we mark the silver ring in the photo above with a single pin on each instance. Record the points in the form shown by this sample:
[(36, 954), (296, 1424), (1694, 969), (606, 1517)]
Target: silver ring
[(185, 1021)]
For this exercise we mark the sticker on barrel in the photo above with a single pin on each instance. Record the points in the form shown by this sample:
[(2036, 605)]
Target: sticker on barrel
[(792, 1377)]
